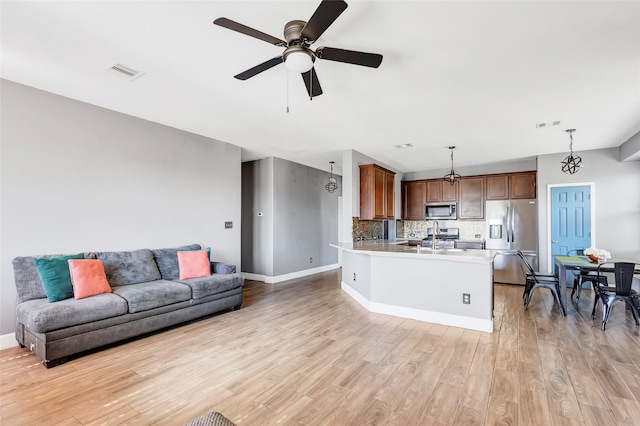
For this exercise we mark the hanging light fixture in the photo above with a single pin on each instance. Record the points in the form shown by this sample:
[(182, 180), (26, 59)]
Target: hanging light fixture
[(333, 183), (452, 177), (572, 163)]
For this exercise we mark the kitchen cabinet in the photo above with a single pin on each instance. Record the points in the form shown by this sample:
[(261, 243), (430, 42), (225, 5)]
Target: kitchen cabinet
[(471, 198), (512, 186), (376, 192), (523, 185), (440, 191), (413, 199), (498, 187)]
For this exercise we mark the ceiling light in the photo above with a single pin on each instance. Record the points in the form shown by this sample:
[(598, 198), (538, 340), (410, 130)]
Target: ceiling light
[(298, 59), (333, 183), (404, 145), (571, 164), (452, 177), (549, 124)]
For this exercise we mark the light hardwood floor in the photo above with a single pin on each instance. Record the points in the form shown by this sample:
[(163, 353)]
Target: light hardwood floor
[(303, 352)]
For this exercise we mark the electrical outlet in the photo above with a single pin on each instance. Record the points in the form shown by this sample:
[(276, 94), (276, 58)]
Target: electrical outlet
[(466, 298), (354, 276), (228, 225), (311, 260)]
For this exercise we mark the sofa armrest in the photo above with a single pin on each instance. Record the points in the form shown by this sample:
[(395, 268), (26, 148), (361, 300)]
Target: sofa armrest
[(222, 268)]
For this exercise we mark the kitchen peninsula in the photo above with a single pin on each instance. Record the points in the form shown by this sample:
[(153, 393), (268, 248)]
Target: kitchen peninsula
[(420, 283)]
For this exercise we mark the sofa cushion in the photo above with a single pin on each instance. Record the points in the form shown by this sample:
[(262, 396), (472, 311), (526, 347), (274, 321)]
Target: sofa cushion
[(167, 260), (40, 316), (88, 278), (212, 284), (55, 276), (128, 267), (149, 295)]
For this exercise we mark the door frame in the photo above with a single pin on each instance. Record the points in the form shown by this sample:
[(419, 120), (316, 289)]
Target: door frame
[(592, 193)]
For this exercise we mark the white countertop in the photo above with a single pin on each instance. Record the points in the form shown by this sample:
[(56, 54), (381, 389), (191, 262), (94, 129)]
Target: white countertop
[(396, 249)]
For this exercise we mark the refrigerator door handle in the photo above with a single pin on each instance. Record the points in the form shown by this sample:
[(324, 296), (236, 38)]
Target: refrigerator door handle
[(513, 224), (509, 224)]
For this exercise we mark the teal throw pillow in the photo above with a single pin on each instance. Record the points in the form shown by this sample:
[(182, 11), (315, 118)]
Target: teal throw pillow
[(55, 276)]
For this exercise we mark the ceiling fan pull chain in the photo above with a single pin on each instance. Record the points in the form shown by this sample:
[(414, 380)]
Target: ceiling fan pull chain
[(311, 84), (287, 91)]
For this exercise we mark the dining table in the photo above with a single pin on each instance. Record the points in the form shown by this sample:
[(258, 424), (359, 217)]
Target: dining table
[(580, 263)]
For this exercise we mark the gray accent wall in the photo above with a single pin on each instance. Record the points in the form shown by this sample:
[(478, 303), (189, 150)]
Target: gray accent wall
[(300, 218), (77, 177), (615, 196)]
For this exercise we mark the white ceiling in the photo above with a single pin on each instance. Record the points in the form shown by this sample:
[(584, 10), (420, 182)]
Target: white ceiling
[(478, 75)]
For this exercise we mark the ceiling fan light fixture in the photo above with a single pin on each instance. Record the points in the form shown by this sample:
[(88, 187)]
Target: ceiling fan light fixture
[(298, 60)]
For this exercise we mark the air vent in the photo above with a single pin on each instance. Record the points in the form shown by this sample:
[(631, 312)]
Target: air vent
[(124, 71), (549, 124), (404, 145)]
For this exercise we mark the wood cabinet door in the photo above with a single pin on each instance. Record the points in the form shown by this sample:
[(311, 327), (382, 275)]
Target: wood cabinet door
[(434, 191), (389, 195), (523, 185), (498, 187), (413, 199), (449, 192), (471, 198), (379, 197)]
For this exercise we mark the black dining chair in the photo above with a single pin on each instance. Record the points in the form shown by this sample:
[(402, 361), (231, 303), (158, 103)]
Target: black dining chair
[(623, 272), (534, 280), (581, 277)]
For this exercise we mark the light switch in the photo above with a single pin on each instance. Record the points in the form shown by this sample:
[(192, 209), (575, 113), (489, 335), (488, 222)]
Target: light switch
[(228, 225)]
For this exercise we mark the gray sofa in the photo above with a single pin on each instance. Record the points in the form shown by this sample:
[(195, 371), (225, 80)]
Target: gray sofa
[(147, 295)]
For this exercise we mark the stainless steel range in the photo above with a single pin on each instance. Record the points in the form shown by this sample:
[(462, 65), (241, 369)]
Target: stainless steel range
[(444, 239)]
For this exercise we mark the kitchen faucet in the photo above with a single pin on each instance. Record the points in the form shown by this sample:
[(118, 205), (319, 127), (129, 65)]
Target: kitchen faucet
[(436, 231)]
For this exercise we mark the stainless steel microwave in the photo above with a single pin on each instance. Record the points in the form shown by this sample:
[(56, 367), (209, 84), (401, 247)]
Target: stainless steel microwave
[(440, 211)]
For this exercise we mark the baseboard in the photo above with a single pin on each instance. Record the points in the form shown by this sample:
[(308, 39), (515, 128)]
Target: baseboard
[(418, 314), (286, 277), (8, 341)]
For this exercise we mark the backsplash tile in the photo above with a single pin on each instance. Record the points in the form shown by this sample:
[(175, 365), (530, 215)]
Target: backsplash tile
[(363, 230), (417, 229)]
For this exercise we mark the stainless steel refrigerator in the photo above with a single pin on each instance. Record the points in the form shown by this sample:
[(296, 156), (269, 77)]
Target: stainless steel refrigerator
[(512, 226)]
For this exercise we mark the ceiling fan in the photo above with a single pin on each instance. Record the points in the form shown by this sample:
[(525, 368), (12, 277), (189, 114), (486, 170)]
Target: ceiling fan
[(299, 36)]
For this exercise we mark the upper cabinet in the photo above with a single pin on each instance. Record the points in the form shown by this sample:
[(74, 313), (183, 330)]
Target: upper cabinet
[(438, 190), (471, 198), (413, 199), (523, 185), (498, 187), (512, 186), (376, 192)]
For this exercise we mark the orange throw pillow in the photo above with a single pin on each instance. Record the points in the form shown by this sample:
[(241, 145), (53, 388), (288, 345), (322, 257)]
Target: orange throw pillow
[(88, 278), (193, 264)]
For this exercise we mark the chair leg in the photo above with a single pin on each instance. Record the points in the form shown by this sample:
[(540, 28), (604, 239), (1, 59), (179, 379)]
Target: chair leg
[(595, 304), (607, 304), (634, 311), (578, 288), (557, 297), (575, 285)]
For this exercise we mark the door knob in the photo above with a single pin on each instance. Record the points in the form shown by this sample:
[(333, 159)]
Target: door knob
[(554, 241)]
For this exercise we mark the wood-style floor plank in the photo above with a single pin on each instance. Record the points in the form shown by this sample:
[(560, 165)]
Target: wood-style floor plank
[(303, 352)]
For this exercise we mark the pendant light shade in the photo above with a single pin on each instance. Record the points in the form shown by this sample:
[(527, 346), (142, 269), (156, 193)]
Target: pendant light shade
[(452, 177), (572, 163), (333, 183)]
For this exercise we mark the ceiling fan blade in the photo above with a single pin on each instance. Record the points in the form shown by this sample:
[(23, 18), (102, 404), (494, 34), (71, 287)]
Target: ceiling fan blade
[(322, 18), (313, 84), (372, 60), (235, 26), (259, 68)]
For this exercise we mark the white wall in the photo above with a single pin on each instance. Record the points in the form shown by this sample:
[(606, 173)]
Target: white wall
[(76, 177), (616, 198)]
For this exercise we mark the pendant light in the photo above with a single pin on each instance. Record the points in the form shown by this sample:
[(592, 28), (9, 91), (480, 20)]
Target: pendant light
[(333, 183), (572, 163), (452, 177)]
